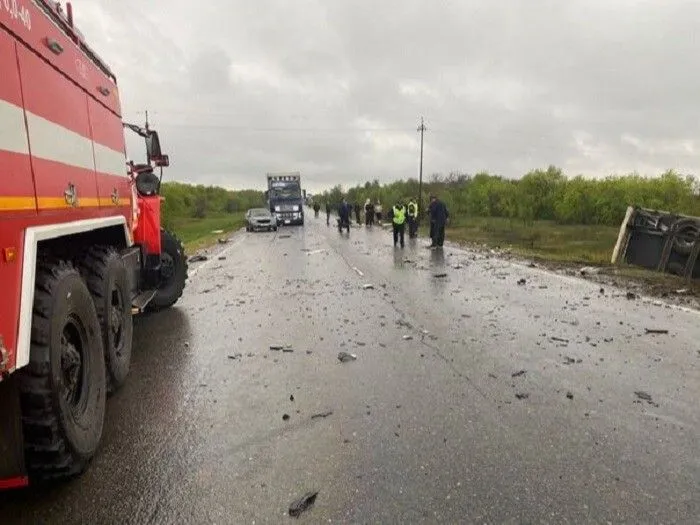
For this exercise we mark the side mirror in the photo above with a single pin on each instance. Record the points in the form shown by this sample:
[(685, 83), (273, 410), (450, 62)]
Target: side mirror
[(162, 162), (153, 145)]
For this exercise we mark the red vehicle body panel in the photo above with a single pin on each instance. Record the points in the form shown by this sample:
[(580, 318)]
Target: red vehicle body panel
[(60, 128)]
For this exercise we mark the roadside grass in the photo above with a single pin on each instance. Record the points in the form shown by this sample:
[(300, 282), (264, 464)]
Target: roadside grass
[(197, 233), (543, 240)]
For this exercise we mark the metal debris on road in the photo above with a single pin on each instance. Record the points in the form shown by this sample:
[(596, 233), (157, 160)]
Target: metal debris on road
[(631, 296), (291, 398), (368, 286), (285, 236), (223, 241), (522, 282), (644, 396), (440, 275), (314, 252), (559, 339), (518, 373), (522, 396), (407, 337), (235, 356), (198, 258), (217, 232), (322, 414), (655, 331), (569, 395), (302, 504), (288, 349), (285, 417), (682, 291), (276, 347), (345, 357)]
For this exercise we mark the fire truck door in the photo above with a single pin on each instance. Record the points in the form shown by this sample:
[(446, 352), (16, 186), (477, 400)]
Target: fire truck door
[(59, 137)]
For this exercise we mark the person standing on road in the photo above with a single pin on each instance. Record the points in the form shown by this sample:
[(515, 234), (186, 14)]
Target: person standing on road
[(358, 209), (328, 213), (398, 219), (344, 213), (412, 218), (369, 213), (378, 212), (439, 216), (317, 207)]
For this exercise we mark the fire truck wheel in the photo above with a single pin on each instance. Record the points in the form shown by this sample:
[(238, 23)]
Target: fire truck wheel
[(173, 273), (107, 279), (63, 388)]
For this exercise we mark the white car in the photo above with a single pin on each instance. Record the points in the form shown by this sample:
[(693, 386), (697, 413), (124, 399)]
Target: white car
[(260, 219)]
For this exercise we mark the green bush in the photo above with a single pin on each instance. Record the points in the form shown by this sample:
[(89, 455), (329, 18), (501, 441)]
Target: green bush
[(539, 195)]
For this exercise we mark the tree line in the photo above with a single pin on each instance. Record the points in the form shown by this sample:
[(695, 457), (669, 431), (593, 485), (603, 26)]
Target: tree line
[(199, 201), (539, 195)]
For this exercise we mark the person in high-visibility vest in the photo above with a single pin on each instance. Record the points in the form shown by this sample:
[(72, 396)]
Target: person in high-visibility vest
[(412, 217), (398, 219)]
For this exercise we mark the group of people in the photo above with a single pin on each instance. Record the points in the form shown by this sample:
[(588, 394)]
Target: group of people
[(400, 214)]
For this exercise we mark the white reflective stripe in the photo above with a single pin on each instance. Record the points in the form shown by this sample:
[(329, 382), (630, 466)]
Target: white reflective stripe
[(32, 237), (109, 161), (13, 133), (50, 141), (54, 142)]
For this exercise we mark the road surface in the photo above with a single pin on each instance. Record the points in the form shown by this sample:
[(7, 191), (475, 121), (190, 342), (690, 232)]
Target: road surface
[(473, 398)]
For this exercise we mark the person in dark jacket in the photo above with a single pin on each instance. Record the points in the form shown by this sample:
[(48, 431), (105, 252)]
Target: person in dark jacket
[(317, 207), (328, 213), (344, 212), (438, 219), (358, 209)]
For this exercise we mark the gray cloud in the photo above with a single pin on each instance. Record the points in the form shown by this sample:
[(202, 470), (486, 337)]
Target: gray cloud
[(335, 89)]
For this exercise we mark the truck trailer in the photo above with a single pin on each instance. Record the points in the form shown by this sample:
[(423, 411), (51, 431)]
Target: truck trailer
[(81, 245), (284, 197)]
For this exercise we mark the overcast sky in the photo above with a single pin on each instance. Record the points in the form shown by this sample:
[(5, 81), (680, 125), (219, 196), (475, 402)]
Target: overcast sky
[(335, 88)]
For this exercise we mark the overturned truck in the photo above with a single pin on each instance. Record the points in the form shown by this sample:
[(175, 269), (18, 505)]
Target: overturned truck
[(661, 241)]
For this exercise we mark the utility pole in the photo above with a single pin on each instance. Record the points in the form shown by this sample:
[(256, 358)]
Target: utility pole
[(422, 129)]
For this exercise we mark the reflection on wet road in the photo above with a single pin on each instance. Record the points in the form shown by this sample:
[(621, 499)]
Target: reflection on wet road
[(482, 391)]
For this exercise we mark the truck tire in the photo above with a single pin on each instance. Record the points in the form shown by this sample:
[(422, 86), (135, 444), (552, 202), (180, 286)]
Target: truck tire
[(107, 279), (63, 388), (173, 272)]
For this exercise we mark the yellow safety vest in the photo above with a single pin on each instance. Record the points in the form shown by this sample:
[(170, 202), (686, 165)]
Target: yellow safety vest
[(399, 215), (412, 209)]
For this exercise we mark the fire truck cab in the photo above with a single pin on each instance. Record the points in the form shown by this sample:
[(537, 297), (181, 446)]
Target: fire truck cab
[(81, 245)]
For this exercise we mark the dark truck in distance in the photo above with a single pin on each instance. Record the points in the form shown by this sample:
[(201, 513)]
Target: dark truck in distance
[(285, 198)]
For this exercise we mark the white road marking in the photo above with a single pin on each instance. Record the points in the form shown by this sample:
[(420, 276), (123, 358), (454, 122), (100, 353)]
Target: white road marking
[(214, 257)]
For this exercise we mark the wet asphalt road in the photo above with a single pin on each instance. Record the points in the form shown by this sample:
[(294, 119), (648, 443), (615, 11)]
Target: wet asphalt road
[(434, 422)]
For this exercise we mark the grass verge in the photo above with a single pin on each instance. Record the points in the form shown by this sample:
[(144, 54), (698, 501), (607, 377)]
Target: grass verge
[(197, 233), (544, 240)]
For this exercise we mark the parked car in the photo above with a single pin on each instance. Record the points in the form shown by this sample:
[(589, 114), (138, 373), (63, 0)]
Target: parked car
[(260, 219)]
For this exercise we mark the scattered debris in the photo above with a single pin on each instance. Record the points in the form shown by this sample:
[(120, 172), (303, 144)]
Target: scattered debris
[(407, 337), (493, 376), (288, 349), (522, 395), (302, 504), (217, 232), (309, 352), (314, 252), (235, 356), (285, 417), (322, 414), (569, 395), (644, 396), (291, 398), (682, 291), (655, 331), (344, 357), (222, 257), (223, 241), (368, 286), (198, 258), (631, 296), (559, 339), (440, 275), (276, 347), (522, 282), (518, 373), (570, 360), (589, 270), (601, 291), (457, 267)]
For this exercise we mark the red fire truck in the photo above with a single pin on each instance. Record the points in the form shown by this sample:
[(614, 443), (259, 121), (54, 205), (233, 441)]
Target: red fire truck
[(81, 247)]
